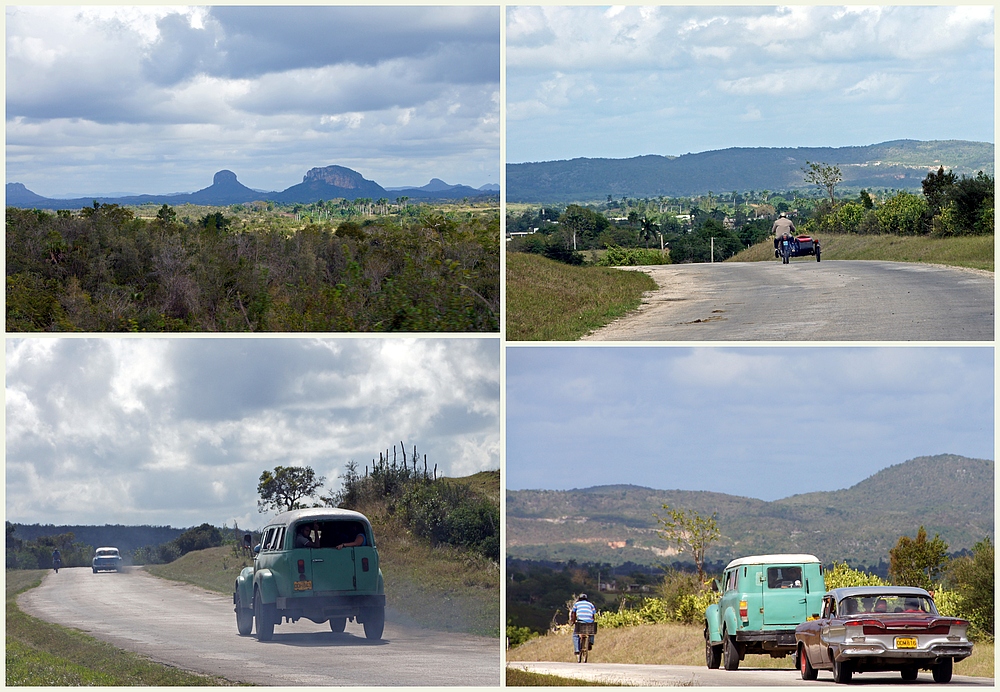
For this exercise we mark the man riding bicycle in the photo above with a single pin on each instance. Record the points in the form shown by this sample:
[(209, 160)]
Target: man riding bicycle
[(56, 560), (583, 611)]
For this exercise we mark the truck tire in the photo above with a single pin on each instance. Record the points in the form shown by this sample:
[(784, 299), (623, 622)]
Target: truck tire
[(264, 614), (730, 652), (713, 653), (374, 622), (244, 617), (908, 673), (338, 624)]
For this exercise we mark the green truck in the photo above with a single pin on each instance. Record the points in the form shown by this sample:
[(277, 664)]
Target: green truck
[(763, 599), (318, 564)]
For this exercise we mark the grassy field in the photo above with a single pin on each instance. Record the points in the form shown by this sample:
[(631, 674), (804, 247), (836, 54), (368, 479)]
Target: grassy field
[(551, 301), (678, 644), (43, 654), (522, 678), (974, 252)]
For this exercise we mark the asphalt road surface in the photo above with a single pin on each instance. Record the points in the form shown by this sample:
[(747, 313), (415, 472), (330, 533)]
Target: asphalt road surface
[(698, 676), (808, 301), (194, 629)]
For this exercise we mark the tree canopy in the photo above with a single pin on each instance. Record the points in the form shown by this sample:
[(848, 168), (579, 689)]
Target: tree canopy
[(285, 487)]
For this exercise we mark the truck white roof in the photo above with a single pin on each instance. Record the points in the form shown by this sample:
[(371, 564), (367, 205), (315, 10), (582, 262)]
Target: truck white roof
[(778, 559)]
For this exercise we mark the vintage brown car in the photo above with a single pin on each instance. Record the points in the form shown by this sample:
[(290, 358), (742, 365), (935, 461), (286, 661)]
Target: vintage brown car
[(880, 628)]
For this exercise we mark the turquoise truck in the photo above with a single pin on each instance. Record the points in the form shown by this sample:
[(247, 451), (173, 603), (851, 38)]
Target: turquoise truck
[(318, 564), (763, 599)]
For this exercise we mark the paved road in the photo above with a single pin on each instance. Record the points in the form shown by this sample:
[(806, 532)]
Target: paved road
[(698, 676), (809, 301), (195, 629)]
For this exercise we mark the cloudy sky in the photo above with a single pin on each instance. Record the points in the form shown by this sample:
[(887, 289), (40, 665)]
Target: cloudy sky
[(757, 422), (625, 81), (177, 431), (157, 99)]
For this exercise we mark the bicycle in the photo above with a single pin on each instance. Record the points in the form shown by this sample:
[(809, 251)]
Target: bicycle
[(585, 631)]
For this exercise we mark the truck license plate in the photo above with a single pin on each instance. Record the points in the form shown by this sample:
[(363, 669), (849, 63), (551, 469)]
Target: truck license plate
[(308, 585), (906, 642)]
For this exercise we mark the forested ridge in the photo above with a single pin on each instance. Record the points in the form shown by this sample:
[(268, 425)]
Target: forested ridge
[(108, 270)]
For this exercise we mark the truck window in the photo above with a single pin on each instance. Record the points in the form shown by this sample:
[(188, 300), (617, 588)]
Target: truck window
[(784, 577)]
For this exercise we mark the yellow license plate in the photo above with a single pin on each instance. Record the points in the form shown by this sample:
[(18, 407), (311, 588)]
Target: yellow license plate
[(308, 585), (906, 642)]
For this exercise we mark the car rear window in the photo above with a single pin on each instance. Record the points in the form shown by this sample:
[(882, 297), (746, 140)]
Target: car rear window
[(784, 577)]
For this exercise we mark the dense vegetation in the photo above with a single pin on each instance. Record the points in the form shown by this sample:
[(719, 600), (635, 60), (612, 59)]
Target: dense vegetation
[(463, 514), (107, 269), (714, 228)]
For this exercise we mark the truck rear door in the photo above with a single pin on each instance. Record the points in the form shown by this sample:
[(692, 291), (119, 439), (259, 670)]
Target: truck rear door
[(783, 595)]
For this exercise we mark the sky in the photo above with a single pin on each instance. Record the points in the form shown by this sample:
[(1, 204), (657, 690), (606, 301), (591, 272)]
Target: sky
[(111, 99), (765, 423), (177, 431), (627, 81)]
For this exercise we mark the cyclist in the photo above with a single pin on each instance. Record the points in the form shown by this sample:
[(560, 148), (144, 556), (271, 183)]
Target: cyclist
[(582, 611), (56, 560)]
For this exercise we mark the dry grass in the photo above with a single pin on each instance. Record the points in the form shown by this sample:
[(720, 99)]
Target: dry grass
[(974, 252), (677, 644), (551, 301)]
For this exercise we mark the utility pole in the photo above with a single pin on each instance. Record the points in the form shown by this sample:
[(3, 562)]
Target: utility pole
[(713, 250)]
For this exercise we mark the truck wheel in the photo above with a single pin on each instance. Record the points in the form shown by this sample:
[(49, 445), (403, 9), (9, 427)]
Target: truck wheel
[(264, 614), (713, 654), (805, 668), (909, 673), (338, 624), (842, 672), (942, 671), (244, 617), (730, 653), (374, 622)]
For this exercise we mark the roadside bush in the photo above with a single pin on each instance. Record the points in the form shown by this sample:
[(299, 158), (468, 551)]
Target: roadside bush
[(691, 609), (973, 578), (841, 575), (198, 538), (903, 214), (518, 635), (617, 256)]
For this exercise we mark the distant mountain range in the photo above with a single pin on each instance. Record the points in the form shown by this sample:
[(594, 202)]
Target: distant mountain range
[(329, 182), (947, 494), (899, 164)]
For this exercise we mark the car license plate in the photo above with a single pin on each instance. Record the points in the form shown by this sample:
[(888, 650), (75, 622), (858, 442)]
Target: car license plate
[(906, 642), (308, 585)]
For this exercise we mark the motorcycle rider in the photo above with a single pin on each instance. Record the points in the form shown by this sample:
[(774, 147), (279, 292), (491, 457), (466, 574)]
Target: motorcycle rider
[(582, 611), (784, 229)]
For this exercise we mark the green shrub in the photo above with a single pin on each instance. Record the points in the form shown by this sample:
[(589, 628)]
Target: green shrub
[(617, 256), (518, 635), (841, 575), (692, 607), (903, 214)]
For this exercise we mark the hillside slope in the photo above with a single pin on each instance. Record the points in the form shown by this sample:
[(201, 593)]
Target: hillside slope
[(899, 164), (948, 494)]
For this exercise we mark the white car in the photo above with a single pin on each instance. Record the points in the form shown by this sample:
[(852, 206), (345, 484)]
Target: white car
[(107, 560)]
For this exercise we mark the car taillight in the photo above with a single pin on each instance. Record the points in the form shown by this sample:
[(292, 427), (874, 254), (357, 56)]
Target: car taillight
[(743, 611), (302, 566), (364, 564), (864, 623)]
